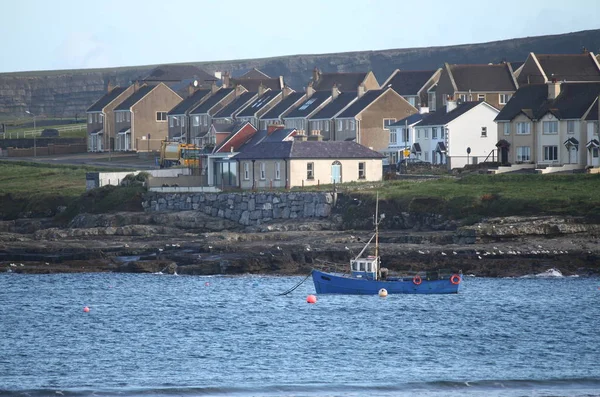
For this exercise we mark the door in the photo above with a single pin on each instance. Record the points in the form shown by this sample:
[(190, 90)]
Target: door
[(336, 172), (503, 155), (573, 155)]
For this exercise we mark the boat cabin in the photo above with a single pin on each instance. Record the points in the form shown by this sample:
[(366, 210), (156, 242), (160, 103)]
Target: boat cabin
[(365, 267)]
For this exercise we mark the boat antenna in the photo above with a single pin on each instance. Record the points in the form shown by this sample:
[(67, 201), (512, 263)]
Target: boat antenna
[(376, 220)]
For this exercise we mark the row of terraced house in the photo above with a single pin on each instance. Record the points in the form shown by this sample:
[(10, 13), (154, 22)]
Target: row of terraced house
[(541, 113)]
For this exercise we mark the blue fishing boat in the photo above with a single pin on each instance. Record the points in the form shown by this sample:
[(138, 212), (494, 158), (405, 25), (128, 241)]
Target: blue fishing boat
[(367, 277)]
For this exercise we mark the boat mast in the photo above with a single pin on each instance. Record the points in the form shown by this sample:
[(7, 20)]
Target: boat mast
[(377, 228)]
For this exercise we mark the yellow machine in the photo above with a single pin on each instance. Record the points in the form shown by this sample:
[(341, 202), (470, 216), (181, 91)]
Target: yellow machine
[(174, 154)]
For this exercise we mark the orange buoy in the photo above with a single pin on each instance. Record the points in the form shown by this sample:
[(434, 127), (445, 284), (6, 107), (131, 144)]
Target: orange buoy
[(417, 280), (86, 309), (311, 299), (383, 293), (455, 279)]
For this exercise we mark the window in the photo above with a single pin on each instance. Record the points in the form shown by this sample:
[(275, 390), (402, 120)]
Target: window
[(523, 154), (127, 116), (431, 101), (595, 152), (426, 133), (277, 170), (503, 99), (393, 138), (443, 132), (426, 155), (387, 123), (483, 132), (263, 174), (171, 121), (196, 121), (161, 116), (246, 171), (90, 118), (411, 100), (434, 133), (326, 125), (340, 125), (310, 171), (405, 134), (419, 133), (506, 128), (182, 119), (307, 104), (462, 97), (523, 128), (550, 153), (100, 117), (481, 97), (550, 127), (570, 127), (361, 170), (352, 124)]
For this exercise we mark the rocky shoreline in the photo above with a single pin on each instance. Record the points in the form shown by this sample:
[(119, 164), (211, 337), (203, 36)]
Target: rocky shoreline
[(193, 243)]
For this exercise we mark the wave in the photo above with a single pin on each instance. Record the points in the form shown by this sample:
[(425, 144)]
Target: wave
[(582, 387), (550, 273)]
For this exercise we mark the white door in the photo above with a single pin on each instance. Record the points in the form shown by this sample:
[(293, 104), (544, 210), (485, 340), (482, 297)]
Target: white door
[(573, 155)]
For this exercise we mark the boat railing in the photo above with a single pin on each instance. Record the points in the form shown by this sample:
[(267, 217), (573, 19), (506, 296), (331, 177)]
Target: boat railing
[(330, 267)]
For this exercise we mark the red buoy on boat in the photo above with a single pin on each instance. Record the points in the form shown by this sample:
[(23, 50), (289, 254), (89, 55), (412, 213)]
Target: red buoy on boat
[(86, 309), (311, 299)]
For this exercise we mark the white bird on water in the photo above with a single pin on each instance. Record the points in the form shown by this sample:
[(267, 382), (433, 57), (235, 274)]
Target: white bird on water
[(443, 253), (421, 252)]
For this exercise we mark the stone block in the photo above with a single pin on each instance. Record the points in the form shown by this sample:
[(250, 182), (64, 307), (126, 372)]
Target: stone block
[(267, 214), (285, 213), (251, 204), (220, 213), (245, 218), (267, 206), (322, 210), (309, 210)]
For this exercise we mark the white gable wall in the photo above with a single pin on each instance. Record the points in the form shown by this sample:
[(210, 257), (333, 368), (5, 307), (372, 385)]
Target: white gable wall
[(465, 131)]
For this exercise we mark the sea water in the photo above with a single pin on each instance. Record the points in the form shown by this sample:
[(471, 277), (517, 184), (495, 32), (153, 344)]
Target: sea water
[(164, 335)]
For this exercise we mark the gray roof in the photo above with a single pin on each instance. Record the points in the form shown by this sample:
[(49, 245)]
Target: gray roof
[(259, 103), (279, 135), (335, 106), (308, 150), (178, 73), (278, 110), (441, 117), (532, 100), (409, 82), (135, 97), (483, 78), (569, 67), (344, 81), (236, 105), (309, 106), (253, 84), (212, 101), (254, 73), (593, 114), (189, 102), (410, 120), (106, 99), (361, 103)]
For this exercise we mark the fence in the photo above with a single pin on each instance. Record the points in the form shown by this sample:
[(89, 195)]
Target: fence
[(38, 131)]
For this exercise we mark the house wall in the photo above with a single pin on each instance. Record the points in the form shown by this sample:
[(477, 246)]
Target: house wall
[(465, 131), (298, 123), (371, 82), (564, 154), (238, 139), (390, 105), (423, 97), (591, 133), (143, 118), (493, 98), (443, 89), (322, 171), (325, 127), (530, 73), (254, 179), (119, 126), (109, 119), (518, 140)]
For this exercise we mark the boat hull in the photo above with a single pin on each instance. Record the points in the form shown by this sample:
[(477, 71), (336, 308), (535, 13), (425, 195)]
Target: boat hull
[(328, 283)]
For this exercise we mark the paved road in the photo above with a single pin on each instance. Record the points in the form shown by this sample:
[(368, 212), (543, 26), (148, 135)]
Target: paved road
[(114, 160)]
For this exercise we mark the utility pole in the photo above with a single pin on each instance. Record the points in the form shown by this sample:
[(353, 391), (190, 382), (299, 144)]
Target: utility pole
[(34, 133)]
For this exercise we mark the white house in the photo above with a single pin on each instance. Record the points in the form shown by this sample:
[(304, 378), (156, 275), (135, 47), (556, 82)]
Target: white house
[(402, 137), (457, 135)]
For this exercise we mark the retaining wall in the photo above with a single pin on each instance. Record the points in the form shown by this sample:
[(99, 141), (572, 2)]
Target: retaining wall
[(245, 208)]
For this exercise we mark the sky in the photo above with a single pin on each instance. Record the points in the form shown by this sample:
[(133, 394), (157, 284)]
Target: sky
[(68, 34)]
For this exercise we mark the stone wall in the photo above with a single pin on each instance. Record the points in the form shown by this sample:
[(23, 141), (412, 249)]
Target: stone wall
[(245, 208)]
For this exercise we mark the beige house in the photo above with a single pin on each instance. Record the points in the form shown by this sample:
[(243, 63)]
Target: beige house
[(344, 82), (101, 120), (545, 125), (543, 68), (306, 163), (141, 119)]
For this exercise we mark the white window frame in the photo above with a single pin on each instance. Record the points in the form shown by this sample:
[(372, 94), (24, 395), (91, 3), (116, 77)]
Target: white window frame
[(506, 128), (263, 171), (171, 121), (310, 171), (550, 127), (570, 126), (426, 155), (277, 171), (523, 154), (362, 170), (412, 100), (484, 132), (340, 125), (387, 123), (127, 116), (550, 153), (393, 137), (196, 121), (182, 118), (90, 118), (480, 97), (246, 171), (503, 99), (434, 134), (352, 124), (100, 117), (405, 134), (595, 152), (523, 128), (426, 133), (462, 97)]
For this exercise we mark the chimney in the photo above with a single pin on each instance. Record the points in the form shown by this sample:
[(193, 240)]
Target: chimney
[(231, 149), (110, 86), (226, 81), (553, 89), (262, 89), (424, 109), (316, 75), (300, 136), (218, 75), (335, 92), (191, 89), (309, 91), (316, 136), (213, 87), (136, 86), (274, 127), (361, 90), (450, 104)]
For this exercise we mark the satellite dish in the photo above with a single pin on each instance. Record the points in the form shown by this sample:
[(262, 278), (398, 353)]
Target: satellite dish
[(195, 83)]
